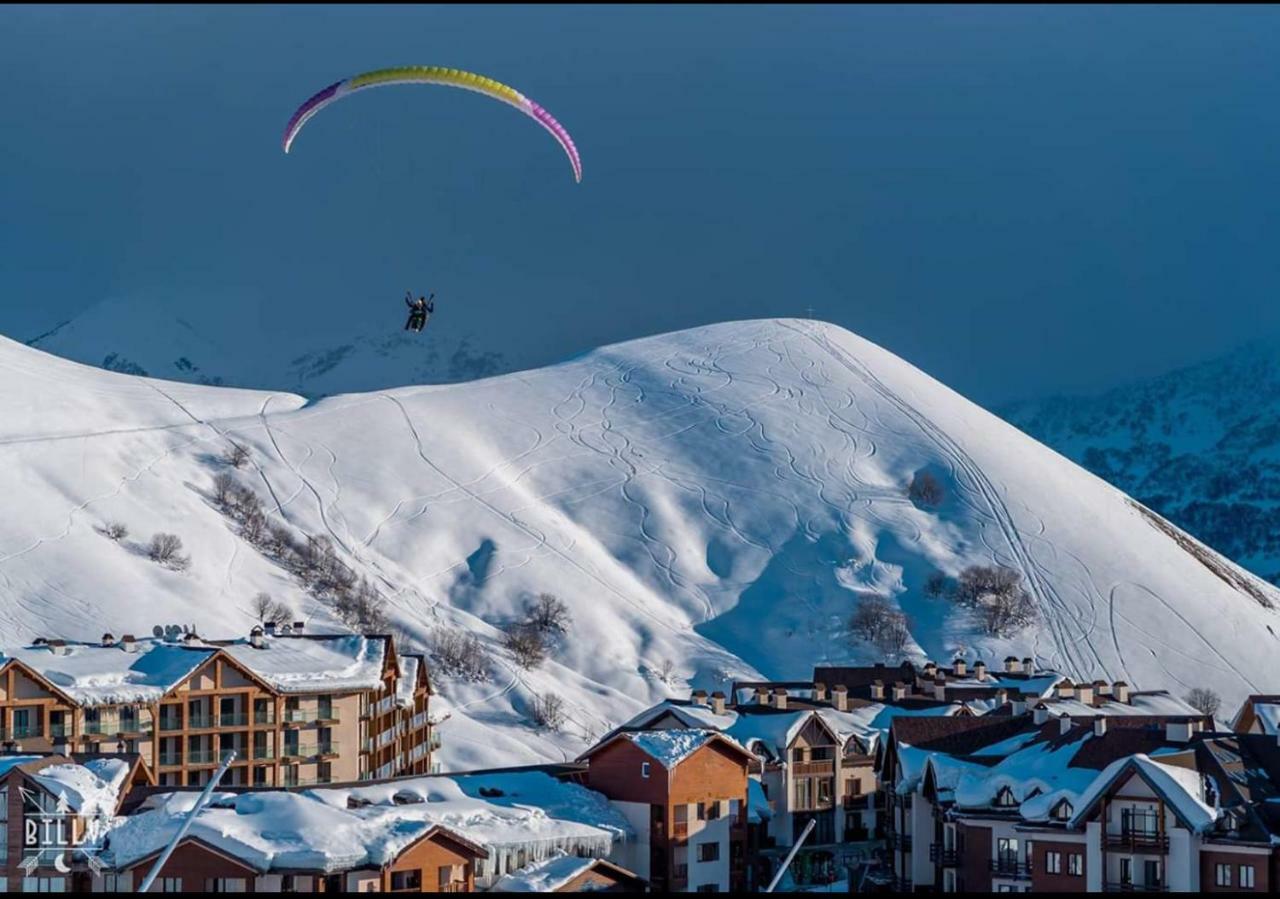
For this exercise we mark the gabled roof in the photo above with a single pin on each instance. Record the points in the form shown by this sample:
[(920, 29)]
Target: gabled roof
[(1181, 788), (670, 747)]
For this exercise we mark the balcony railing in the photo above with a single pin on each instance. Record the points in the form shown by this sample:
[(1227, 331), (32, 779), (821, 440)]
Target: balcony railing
[(309, 750), (1009, 868), (59, 730), (820, 768), (941, 855), (111, 728), (309, 716), (167, 724), (1138, 841), (233, 719), (170, 759), (29, 732), (199, 722), (263, 753), (899, 841), (268, 717), (1122, 887), (201, 757)]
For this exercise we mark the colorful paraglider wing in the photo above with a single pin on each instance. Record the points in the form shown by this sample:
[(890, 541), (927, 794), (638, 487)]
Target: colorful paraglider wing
[(435, 75)]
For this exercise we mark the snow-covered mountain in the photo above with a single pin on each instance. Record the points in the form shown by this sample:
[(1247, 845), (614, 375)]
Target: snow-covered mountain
[(1200, 445), (154, 338), (723, 498)]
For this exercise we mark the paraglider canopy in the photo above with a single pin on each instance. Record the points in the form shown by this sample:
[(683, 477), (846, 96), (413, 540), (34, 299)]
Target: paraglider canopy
[(441, 76)]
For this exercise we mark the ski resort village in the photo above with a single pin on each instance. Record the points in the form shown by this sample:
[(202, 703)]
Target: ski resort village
[(754, 607)]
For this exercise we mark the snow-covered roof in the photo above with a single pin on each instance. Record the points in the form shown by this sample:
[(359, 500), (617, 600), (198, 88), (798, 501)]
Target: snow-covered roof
[(670, 747), (696, 716), (1268, 714), (90, 788), (340, 828), (545, 876), (758, 808), (93, 675), (408, 680), (330, 664), (1182, 788), (1153, 703)]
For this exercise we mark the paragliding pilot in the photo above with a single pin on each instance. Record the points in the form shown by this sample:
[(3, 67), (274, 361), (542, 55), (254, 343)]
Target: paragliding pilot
[(419, 311)]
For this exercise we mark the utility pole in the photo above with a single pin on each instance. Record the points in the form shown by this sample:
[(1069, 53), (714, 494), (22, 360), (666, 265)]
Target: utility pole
[(786, 863), (186, 825)]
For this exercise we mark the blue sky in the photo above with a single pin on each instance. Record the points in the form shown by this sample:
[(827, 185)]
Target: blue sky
[(1017, 200)]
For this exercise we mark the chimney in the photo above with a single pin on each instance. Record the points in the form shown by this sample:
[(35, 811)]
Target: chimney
[(1084, 693), (1100, 689), (940, 688), (717, 702), (1039, 715), (1065, 689), (270, 628), (1029, 665), (699, 697), (820, 692), (58, 647), (1178, 731), (840, 696), (1120, 690), (108, 638), (129, 643), (1064, 724), (899, 691), (930, 670), (980, 670), (762, 695), (1019, 707), (1002, 696), (959, 666), (780, 698), (1012, 665), (255, 638), (1100, 726), (877, 690), (299, 626)]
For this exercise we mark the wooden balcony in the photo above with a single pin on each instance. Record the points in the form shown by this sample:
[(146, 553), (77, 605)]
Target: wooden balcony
[(821, 768), (1139, 842)]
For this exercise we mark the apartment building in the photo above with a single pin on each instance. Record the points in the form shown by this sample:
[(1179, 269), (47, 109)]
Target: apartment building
[(51, 809), (296, 708), (685, 794)]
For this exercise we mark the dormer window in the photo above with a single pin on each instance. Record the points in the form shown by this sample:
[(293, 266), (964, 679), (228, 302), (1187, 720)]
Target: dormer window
[(1005, 798), (1063, 811)]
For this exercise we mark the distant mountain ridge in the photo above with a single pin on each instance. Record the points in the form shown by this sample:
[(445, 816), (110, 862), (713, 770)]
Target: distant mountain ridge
[(138, 337), (1200, 445)]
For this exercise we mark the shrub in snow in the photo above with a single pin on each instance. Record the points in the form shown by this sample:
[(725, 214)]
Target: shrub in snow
[(996, 593), (460, 654), (114, 530), (526, 645), (267, 610), (167, 550), (548, 711), (549, 614), (225, 489), (1205, 701), (667, 672), (926, 489), (877, 622), (236, 455), (937, 585)]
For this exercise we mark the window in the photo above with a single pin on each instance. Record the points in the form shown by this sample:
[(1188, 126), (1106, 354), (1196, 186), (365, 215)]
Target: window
[(1075, 864), (412, 880), (1246, 877), (1126, 871), (708, 852), (1141, 821), (713, 811), (479, 866), (702, 811), (44, 884), (1007, 852), (1053, 862), (1151, 873), (1223, 875), (1063, 811), (644, 769), (117, 883), (1005, 799), (169, 884), (448, 874)]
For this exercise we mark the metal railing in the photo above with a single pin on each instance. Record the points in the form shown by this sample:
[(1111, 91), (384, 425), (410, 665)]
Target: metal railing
[(1009, 868), (233, 719), (940, 855), (309, 750), (309, 716)]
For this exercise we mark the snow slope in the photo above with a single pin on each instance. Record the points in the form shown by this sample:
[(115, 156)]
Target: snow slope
[(721, 497)]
